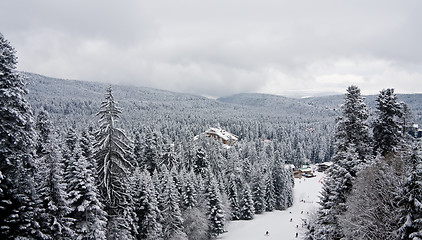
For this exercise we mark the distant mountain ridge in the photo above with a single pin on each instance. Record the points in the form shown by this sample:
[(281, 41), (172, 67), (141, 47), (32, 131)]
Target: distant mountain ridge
[(91, 94), (328, 103)]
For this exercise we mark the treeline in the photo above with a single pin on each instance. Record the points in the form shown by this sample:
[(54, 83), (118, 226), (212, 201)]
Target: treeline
[(93, 181), (373, 189)]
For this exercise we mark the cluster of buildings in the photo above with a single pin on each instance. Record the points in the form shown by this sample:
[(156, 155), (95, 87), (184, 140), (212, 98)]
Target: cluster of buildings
[(308, 171)]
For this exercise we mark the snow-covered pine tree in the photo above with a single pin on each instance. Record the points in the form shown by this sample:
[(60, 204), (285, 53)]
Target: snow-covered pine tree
[(247, 210), (352, 149), (233, 197), (282, 188), (152, 154), (215, 211), (169, 156), (17, 138), (112, 148), (335, 191), (43, 127), (387, 132), (258, 191), (71, 154), (172, 216), (289, 183), (84, 201), (51, 187), (189, 194), (201, 162), (246, 169), (146, 207), (353, 127), (179, 182), (138, 147), (411, 201), (269, 191), (87, 149), (70, 142), (194, 213)]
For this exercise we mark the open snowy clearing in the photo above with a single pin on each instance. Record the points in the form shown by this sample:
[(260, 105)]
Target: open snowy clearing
[(281, 225)]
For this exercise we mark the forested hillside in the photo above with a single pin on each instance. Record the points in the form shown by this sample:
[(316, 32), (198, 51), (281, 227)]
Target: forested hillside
[(135, 162), (179, 117)]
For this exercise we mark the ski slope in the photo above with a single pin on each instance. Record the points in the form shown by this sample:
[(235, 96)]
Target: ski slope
[(277, 223)]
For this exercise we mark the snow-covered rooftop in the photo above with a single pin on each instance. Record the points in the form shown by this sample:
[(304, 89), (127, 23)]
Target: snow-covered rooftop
[(223, 134)]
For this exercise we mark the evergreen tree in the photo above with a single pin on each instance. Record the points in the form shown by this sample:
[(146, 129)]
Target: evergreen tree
[(87, 150), (411, 201), (53, 217), (169, 157), (233, 197), (43, 127), (151, 152), (387, 132), (353, 127), (190, 193), (113, 169), (269, 192), (351, 151), (17, 195), (146, 207), (215, 211), (246, 204), (201, 162), (138, 147), (335, 191), (258, 192), (282, 188), (172, 216), (84, 201)]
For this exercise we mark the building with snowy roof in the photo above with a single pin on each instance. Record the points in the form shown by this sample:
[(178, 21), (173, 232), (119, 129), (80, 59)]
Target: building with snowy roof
[(226, 137)]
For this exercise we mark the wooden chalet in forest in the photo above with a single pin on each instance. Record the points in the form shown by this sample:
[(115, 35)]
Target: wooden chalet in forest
[(226, 137)]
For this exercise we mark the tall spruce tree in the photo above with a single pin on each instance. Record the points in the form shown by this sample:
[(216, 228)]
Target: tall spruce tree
[(233, 197), (84, 200), (215, 211), (17, 195), (269, 191), (258, 191), (152, 151), (411, 202), (352, 149), (112, 149), (189, 197), (146, 207), (282, 187), (201, 162), (247, 210), (387, 128), (43, 127), (51, 187), (172, 216)]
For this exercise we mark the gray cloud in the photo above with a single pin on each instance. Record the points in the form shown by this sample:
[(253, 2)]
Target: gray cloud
[(217, 48)]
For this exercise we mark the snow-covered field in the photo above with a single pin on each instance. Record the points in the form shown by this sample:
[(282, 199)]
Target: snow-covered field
[(277, 223)]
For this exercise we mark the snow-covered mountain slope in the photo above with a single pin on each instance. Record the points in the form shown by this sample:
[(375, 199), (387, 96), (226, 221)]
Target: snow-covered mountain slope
[(277, 223)]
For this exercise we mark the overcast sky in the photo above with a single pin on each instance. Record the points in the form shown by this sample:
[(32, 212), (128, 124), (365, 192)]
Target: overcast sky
[(222, 47)]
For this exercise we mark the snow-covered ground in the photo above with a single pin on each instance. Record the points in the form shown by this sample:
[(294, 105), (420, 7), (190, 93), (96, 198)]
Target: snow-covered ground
[(277, 223)]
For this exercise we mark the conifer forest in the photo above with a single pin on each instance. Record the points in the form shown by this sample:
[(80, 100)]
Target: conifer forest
[(85, 160)]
